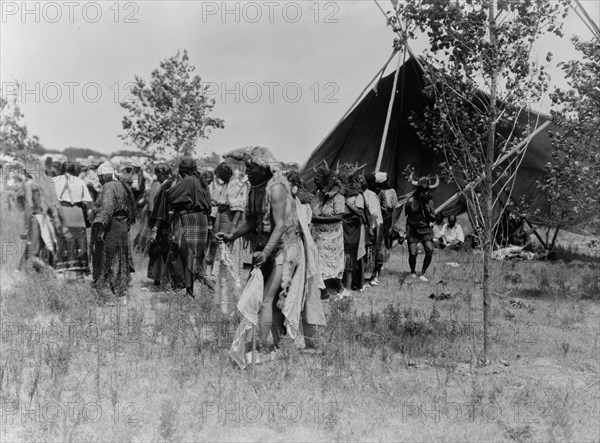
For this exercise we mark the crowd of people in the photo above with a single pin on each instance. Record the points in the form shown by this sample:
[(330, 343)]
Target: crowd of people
[(309, 246), (353, 216)]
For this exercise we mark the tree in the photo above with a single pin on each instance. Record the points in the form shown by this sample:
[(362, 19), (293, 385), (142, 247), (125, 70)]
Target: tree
[(480, 77), (14, 136), (171, 112), (573, 176)]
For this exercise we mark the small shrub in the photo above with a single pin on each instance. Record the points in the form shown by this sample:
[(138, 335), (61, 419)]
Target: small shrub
[(561, 280), (590, 285), (565, 347), (543, 280), (167, 425), (561, 423), (435, 315), (568, 255), (519, 433), (514, 278)]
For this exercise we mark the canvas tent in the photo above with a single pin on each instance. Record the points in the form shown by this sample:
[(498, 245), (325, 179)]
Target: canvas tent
[(358, 136)]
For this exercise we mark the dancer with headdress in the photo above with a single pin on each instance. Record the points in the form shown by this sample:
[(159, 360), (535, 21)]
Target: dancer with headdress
[(420, 215), (328, 207), (300, 192), (284, 252)]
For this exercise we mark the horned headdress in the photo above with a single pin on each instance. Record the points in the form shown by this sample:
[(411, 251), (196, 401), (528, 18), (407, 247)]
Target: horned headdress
[(424, 182)]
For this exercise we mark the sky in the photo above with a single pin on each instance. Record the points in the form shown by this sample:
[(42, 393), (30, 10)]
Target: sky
[(282, 73)]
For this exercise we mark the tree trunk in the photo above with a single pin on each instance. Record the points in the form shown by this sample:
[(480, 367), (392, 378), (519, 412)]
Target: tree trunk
[(488, 182), (553, 244)]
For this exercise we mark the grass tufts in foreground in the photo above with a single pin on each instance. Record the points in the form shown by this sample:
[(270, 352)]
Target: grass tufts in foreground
[(397, 363)]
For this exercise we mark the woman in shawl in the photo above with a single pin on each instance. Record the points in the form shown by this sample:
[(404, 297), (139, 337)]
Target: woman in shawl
[(189, 199), (328, 208), (142, 239), (354, 222), (114, 215), (160, 221), (74, 196), (231, 201)]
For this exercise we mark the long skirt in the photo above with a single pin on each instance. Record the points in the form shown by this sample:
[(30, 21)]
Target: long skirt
[(111, 260), (41, 242), (329, 238), (72, 254), (352, 225), (372, 263), (225, 224), (385, 247), (141, 242), (188, 247), (159, 254)]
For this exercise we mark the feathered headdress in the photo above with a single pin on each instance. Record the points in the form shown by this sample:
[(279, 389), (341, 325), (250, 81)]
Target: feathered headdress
[(303, 195), (347, 175), (326, 178)]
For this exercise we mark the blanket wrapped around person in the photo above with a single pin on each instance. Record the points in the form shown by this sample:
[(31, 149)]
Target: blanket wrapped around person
[(300, 300)]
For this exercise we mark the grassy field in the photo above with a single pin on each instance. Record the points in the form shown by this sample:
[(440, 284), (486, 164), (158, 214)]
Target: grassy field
[(397, 364)]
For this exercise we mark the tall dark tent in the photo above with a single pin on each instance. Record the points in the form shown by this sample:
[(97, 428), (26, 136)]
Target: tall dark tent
[(358, 137)]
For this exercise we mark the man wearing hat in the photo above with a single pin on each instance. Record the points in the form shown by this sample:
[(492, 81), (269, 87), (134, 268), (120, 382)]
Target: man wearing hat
[(420, 214)]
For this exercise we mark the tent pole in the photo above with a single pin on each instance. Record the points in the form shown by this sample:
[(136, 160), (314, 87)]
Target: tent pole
[(333, 128), (496, 164), (367, 87), (403, 38), (389, 115)]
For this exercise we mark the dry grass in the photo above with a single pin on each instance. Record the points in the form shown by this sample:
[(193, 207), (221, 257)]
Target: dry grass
[(397, 365)]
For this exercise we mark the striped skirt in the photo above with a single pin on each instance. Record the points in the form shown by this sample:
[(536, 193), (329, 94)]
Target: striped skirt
[(111, 260), (72, 254), (188, 248)]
